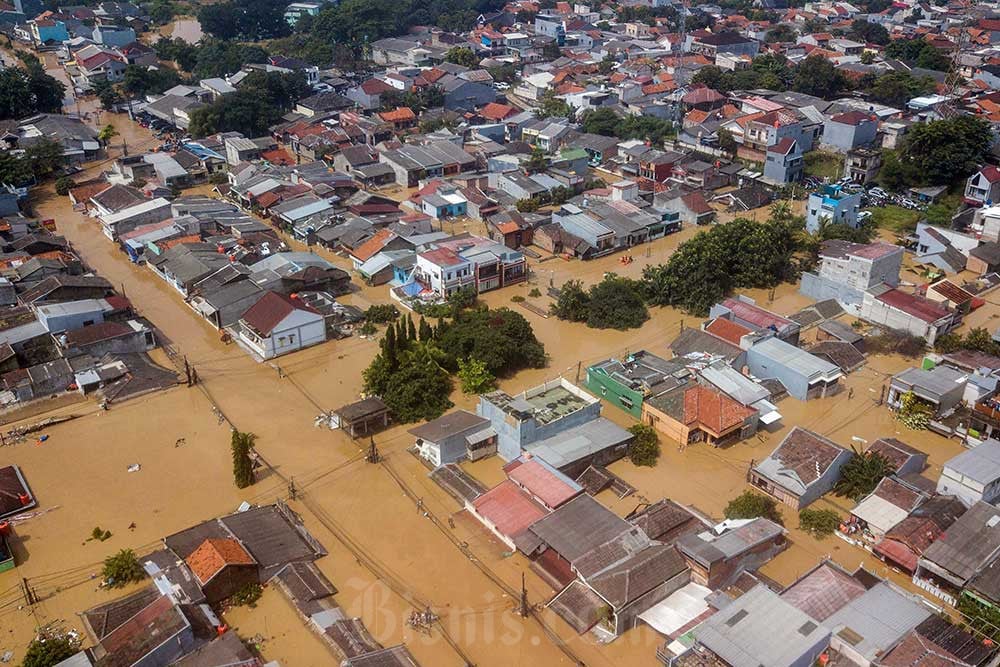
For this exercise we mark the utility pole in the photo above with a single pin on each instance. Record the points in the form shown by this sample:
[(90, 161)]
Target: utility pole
[(194, 375), (293, 493), (187, 370), (881, 396), (29, 594), (373, 456), (523, 609), (578, 364)]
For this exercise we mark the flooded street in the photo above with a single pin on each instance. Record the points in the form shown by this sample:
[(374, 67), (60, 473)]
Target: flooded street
[(387, 557)]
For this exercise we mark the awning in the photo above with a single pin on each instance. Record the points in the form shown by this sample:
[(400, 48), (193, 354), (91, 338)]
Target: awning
[(677, 610), (480, 436), (770, 417)]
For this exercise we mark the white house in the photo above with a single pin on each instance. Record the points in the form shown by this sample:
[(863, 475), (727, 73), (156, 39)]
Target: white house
[(443, 271), (973, 475), (278, 324)]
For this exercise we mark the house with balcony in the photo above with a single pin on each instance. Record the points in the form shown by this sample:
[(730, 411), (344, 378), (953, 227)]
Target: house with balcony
[(784, 162), (863, 164), (983, 187), (494, 265), (443, 272)]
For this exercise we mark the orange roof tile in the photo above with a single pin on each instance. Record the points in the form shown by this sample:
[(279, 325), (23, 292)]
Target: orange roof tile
[(215, 554), (713, 410), (727, 330), (372, 246), (397, 115)]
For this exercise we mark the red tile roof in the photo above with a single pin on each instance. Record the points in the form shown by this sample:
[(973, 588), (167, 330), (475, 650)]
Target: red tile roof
[(494, 111), (96, 332), (270, 310), (713, 410), (727, 330), (508, 508), (375, 87), (783, 147), (215, 554), (702, 96), (398, 115), (541, 482), (951, 291), (696, 202)]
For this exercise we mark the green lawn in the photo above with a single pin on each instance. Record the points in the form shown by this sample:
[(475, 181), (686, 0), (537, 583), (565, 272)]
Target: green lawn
[(824, 165), (896, 219)]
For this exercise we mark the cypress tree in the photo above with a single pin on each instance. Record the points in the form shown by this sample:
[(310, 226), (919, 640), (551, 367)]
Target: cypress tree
[(389, 346), (411, 331), (425, 331)]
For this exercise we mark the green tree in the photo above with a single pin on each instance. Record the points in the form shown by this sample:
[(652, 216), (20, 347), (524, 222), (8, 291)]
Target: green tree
[(550, 106), (462, 55), (64, 185), (750, 505), (780, 33), (49, 649), (866, 31), (28, 90), (941, 151), (602, 120), (979, 617), (500, 337), (819, 77), (107, 93), (573, 303), (537, 162), (424, 331), (616, 303), (122, 569), (244, 111), (861, 474), (107, 133), (645, 448), (898, 88), (419, 388), (727, 142), (241, 445), (819, 523), (475, 376)]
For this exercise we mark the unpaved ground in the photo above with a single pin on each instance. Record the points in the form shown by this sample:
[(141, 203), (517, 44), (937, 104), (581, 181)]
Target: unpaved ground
[(386, 557)]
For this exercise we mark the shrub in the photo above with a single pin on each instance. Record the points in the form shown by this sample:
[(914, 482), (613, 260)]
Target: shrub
[(750, 505), (613, 303), (819, 523), (913, 412), (247, 596), (122, 569), (475, 376), (517, 298), (860, 475), (894, 341), (535, 293), (100, 534), (645, 449), (48, 650), (64, 184), (382, 313)]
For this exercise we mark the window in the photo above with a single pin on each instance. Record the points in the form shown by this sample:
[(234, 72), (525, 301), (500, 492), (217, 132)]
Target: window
[(291, 339)]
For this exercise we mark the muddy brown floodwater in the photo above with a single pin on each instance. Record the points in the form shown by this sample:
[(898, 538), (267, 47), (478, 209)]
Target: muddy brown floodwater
[(359, 511)]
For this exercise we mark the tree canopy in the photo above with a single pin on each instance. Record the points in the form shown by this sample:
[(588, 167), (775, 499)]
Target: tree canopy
[(942, 151), (750, 505), (607, 123), (819, 77), (861, 474), (245, 19), (462, 55), (613, 303), (259, 102), (865, 31), (897, 88), (28, 90), (917, 52), (738, 254)]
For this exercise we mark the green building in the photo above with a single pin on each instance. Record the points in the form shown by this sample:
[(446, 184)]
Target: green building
[(627, 383)]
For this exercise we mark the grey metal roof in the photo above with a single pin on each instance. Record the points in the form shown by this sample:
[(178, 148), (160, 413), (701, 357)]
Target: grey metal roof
[(579, 442), (969, 544), (759, 628), (579, 526), (931, 384), (873, 622), (981, 463), (801, 361)]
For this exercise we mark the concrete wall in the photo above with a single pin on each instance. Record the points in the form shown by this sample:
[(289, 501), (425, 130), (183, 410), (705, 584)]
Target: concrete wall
[(967, 490), (819, 288)]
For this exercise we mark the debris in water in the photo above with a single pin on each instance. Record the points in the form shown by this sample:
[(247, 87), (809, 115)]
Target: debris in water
[(135, 467)]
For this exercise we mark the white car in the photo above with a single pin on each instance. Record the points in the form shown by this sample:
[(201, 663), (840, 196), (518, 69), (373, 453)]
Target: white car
[(878, 192), (501, 85)]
